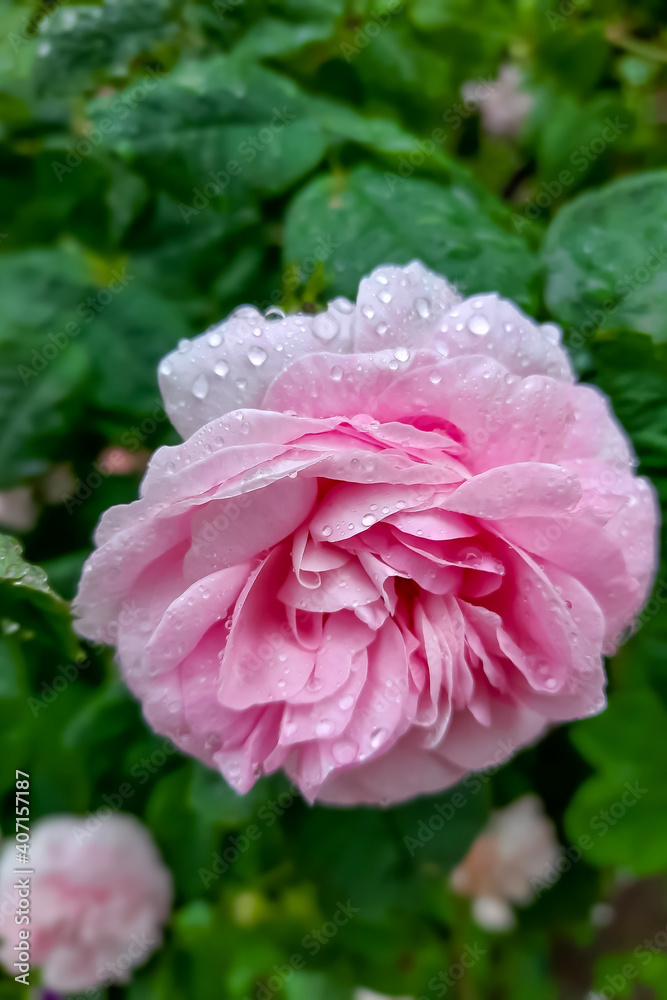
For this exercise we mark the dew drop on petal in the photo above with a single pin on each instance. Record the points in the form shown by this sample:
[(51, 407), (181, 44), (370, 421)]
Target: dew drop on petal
[(367, 520), (344, 751), (257, 356), (368, 312), (325, 327), (326, 530), (214, 339), (200, 387), (402, 354), (274, 313), (324, 727), (221, 368), (478, 324), (423, 307), (377, 737), (336, 373)]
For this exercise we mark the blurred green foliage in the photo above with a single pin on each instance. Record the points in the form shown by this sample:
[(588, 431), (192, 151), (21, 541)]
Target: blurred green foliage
[(163, 161)]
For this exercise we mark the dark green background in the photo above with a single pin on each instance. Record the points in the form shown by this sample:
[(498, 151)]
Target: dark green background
[(113, 117)]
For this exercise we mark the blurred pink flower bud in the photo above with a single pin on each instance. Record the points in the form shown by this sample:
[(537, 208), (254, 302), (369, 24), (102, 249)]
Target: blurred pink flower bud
[(518, 847)]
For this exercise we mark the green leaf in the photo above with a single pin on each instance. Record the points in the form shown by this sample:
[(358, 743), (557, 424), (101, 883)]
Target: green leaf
[(606, 258), (76, 41), (622, 809), (28, 601), (367, 218)]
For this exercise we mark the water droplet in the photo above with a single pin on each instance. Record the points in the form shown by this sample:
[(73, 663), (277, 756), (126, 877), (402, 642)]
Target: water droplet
[(343, 305), (170, 468), (214, 339), (377, 737), (165, 367), (324, 727), (435, 378), (368, 312), (347, 701), (381, 329), (326, 530), (402, 354), (344, 751), (274, 313), (184, 345), (367, 520), (200, 387), (336, 373), (325, 327), (213, 742), (221, 368), (241, 383), (479, 325), (381, 279), (423, 307), (257, 356), (385, 297)]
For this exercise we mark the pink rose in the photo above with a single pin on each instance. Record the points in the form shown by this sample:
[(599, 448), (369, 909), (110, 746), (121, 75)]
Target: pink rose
[(98, 901), (396, 539)]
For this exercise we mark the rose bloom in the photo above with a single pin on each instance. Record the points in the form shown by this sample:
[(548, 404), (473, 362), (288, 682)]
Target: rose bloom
[(98, 901), (396, 537), (516, 852)]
